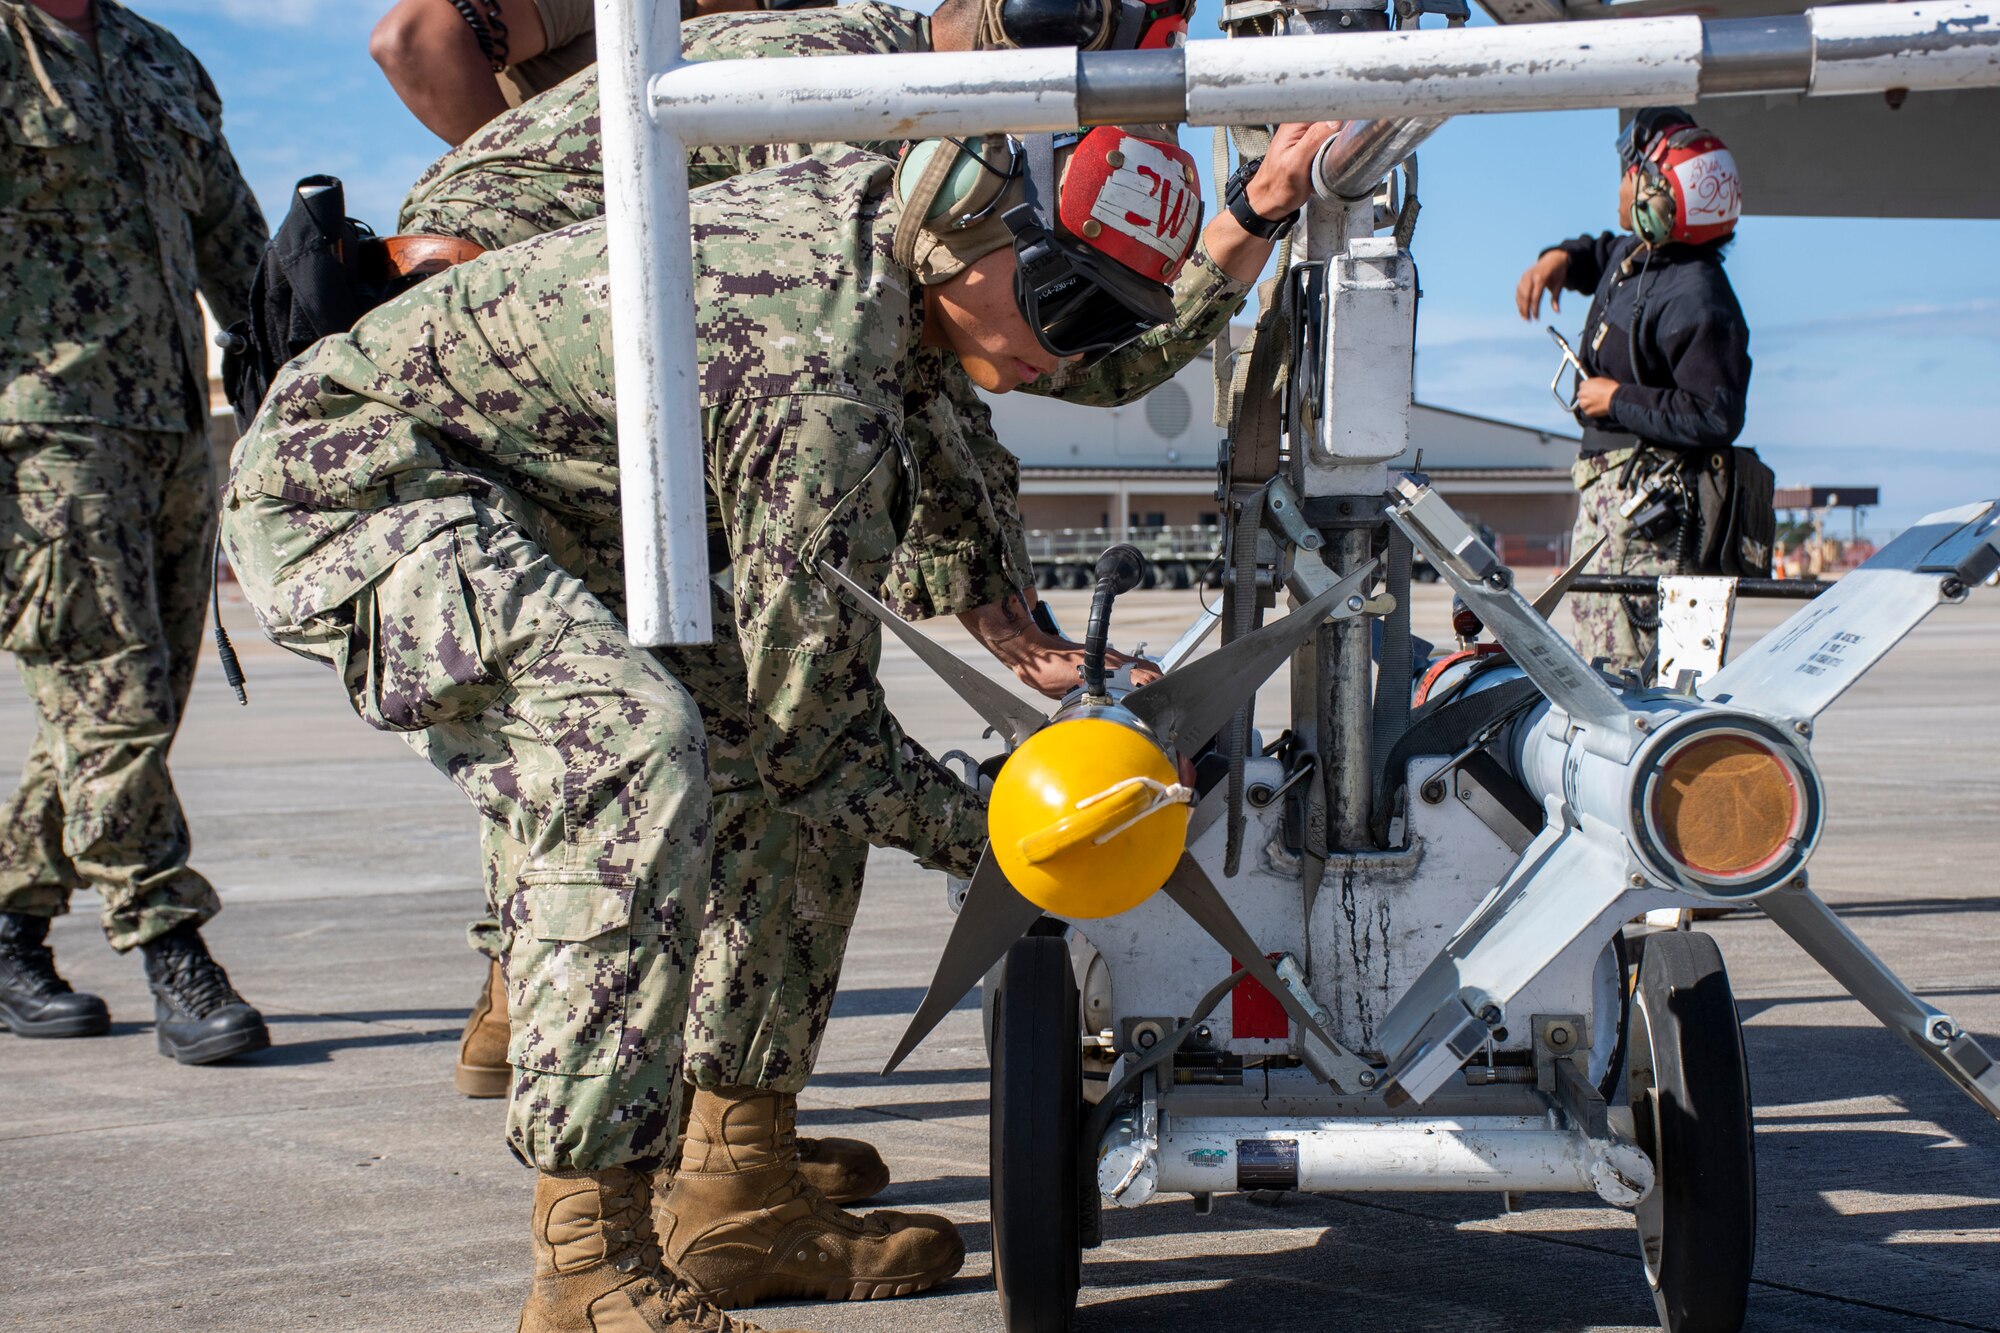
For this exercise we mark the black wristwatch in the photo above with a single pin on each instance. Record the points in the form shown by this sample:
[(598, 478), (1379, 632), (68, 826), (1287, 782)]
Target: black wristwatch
[(1236, 198)]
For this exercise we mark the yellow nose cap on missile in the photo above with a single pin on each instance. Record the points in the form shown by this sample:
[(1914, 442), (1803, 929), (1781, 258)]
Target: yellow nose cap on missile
[(1087, 818)]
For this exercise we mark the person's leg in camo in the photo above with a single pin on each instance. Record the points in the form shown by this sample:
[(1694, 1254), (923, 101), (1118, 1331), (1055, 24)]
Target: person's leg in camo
[(1623, 630), (782, 900), (751, 1213), (754, 1018), (522, 687), (108, 562), (36, 880)]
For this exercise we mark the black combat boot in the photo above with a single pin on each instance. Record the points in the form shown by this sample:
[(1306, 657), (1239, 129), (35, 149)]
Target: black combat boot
[(197, 1014), (34, 1001)]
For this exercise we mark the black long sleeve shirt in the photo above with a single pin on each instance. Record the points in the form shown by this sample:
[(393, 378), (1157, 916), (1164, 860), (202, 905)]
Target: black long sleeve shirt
[(1683, 365)]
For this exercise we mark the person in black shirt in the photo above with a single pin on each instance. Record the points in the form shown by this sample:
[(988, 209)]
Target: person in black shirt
[(1666, 362)]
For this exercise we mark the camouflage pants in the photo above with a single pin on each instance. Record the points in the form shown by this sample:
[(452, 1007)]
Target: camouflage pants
[(105, 565), (782, 896), (586, 754), (1622, 629)]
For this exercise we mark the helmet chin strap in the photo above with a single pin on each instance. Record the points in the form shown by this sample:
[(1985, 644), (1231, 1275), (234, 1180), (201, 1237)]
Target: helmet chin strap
[(1039, 152)]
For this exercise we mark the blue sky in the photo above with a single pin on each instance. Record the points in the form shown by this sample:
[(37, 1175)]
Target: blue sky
[(1876, 343)]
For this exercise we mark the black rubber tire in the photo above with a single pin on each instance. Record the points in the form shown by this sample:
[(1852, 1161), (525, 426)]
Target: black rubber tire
[(1076, 577), (1036, 1116), (1179, 577), (1045, 577), (1690, 1091)]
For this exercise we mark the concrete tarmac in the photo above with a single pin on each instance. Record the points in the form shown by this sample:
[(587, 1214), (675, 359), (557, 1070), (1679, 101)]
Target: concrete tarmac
[(338, 1181)]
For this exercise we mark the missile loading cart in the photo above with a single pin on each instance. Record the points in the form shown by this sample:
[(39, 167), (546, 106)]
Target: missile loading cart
[(1386, 949)]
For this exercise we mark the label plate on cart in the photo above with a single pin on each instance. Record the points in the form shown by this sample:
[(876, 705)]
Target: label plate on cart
[(1267, 1164)]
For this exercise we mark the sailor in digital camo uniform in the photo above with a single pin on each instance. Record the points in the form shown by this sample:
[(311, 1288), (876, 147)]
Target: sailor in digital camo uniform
[(539, 168), (118, 200), (429, 504)]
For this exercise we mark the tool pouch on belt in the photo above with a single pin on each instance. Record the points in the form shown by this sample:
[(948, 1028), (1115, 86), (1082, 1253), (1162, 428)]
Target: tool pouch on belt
[(1749, 530), (321, 272), (1734, 493)]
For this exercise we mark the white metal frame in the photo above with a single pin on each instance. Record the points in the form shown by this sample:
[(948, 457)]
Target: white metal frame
[(655, 105)]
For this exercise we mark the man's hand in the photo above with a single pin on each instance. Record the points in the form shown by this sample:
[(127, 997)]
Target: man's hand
[(1593, 396), (1044, 662), (1280, 187), (1284, 183), (1544, 275)]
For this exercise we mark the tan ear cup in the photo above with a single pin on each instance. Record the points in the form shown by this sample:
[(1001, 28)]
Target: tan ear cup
[(954, 200), (1653, 209), (920, 199)]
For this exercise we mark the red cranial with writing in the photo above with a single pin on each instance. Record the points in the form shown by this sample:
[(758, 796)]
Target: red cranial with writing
[(1701, 173), (1136, 200)]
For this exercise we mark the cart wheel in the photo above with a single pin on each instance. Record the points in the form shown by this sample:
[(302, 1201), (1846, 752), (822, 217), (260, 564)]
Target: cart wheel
[(1179, 576), (1076, 577), (1036, 1114), (1690, 1091), (1045, 576)]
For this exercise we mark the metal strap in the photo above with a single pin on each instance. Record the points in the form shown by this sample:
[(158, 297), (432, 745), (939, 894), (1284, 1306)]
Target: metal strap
[(1393, 665), (1246, 516), (1040, 153), (1255, 456)]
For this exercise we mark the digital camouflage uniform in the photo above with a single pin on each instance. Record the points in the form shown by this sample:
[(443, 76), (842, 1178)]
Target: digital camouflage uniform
[(1624, 630), (118, 199), (430, 505), (785, 892)]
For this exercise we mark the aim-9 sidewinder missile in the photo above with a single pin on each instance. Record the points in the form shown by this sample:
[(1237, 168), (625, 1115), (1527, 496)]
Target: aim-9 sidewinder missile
[(1653, 797)]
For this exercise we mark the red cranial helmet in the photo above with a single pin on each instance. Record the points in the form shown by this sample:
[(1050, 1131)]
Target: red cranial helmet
[(1135, 200), (1688, 190)]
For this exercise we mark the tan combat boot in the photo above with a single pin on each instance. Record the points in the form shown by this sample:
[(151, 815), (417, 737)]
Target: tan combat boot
[(742, 1223), (597, 1263), (844, 1170), (482, 1047)]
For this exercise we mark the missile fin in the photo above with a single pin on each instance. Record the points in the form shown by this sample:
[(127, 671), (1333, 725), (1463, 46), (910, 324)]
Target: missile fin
[(1933, 1034), (992, 917), (1797, 670), (1014, 718), (1187, 707), (1549, 598), (1192, 638), (1563, 885), (1487, 586), (1192, 890)]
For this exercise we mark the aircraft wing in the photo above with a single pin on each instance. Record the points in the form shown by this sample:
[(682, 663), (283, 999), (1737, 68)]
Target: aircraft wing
[(1929, 155)]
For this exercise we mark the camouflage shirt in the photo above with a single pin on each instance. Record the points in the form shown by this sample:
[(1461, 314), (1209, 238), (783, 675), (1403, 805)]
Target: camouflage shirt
[(118, 200), (492, 385), (539, 167)]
